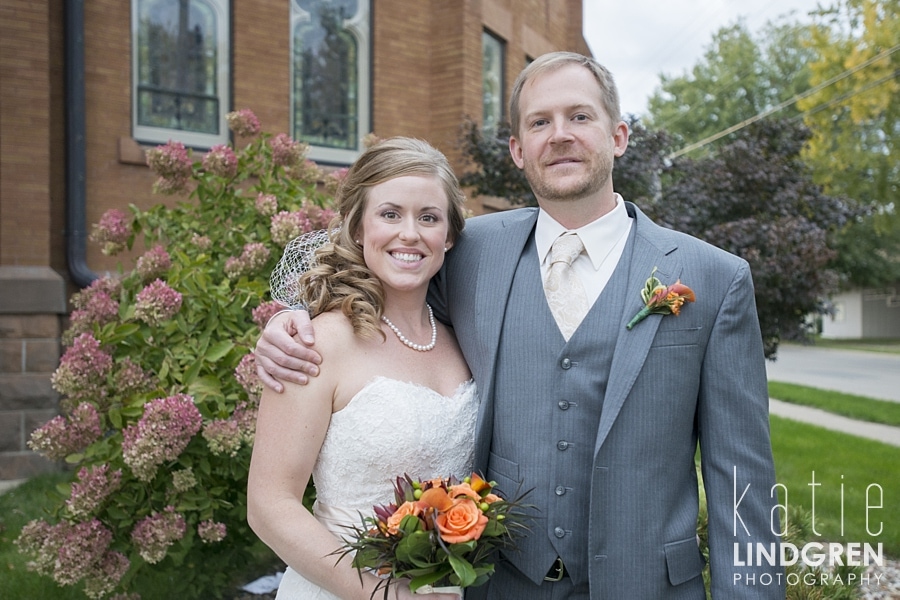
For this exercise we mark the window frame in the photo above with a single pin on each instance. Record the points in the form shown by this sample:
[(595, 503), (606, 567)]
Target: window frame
[(161, 135), (359, 26)]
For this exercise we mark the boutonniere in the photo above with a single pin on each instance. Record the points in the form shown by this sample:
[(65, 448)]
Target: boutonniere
[(661, 299)]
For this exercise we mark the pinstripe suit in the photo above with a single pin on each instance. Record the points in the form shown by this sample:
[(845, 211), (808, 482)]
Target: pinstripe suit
[(646, 397)]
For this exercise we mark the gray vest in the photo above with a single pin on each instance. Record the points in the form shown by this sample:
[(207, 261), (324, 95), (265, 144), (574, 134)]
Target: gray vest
[(547, 403)]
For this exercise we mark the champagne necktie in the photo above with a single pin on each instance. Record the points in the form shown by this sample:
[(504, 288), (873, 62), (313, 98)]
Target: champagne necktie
[(565, 293)]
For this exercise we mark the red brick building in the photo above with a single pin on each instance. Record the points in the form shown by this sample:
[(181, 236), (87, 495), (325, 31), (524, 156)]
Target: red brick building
[(86, 86)]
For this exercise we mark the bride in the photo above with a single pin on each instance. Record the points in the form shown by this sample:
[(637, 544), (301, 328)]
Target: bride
[(397, 396)]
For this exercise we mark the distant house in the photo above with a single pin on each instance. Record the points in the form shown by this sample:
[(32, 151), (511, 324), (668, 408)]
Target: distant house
[(869, 313), (87, 86)]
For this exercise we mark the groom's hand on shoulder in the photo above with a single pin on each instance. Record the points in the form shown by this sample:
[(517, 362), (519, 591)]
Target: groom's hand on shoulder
[(284, 351)]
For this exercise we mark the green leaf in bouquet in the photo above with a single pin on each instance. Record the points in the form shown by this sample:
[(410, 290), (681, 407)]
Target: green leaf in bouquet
[(431, 577), (416, 548), (463, 570)]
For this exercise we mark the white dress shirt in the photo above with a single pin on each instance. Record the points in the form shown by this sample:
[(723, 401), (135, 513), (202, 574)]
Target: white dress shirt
[(603, 239)]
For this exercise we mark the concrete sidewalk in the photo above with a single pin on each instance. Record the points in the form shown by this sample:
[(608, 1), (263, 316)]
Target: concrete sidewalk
[(820, 418), (869, 374)]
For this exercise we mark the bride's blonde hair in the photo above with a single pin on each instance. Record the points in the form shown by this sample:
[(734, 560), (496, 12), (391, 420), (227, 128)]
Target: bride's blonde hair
[(340, 277)]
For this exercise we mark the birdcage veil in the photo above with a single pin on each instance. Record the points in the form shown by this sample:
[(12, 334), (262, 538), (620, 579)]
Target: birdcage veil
[(298, 258)]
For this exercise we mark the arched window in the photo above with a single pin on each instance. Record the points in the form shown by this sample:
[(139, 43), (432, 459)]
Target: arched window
[(330, 77), (180, 83)]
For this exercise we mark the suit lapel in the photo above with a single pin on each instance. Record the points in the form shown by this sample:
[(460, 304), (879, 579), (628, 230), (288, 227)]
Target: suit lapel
[(652, 247)]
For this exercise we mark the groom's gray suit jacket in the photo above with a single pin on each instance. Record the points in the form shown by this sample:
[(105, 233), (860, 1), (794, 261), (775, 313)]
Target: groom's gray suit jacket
[(604, 428)]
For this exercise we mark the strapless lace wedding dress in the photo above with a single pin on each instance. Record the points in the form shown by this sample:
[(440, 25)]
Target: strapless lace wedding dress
[(389, 428)]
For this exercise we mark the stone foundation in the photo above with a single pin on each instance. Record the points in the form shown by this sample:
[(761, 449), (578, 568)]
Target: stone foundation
[(32, 307)]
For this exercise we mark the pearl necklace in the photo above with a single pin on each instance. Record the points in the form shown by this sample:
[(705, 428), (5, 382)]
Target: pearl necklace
[(405, 340)]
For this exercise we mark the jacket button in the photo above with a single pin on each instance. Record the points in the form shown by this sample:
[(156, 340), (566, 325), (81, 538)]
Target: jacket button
[(559, 532), (562, 445), (560, 490), (566, 363), (563, 405)]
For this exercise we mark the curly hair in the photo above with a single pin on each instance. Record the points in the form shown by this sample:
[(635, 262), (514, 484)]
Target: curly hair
[(341, 278)]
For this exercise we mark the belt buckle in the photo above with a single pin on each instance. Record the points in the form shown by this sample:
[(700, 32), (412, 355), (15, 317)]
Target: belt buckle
[(557, 571)]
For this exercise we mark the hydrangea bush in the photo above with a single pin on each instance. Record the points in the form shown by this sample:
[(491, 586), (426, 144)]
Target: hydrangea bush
[(158, 381)]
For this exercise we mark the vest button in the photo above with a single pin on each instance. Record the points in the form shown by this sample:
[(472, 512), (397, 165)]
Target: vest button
[(566, 363), (559, 532), (562, 445), (563, 405), (560, 490)]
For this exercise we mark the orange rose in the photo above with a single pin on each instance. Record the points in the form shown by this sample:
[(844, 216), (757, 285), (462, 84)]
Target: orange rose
[(407, 508), (491, 498), (463, 489), (464, 521)]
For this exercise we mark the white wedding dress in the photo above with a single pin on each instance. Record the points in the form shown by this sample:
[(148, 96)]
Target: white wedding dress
[(389, 428)]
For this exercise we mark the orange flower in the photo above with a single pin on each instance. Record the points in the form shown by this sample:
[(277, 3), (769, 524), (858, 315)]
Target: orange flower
[(662, 299), (463, 489), (407, 508), (491, 498), (478, 484), (437, 498), (463, 522)]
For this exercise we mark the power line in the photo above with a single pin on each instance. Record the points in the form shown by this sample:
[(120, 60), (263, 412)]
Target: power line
[(782, 105)]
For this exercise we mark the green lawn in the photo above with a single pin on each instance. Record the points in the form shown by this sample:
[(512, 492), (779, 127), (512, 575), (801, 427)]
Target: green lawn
[(890, 346), (31, 500), (848, 405), (843, 465)]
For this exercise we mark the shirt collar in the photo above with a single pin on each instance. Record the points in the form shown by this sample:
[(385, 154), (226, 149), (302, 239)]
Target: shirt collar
[(599, 237)]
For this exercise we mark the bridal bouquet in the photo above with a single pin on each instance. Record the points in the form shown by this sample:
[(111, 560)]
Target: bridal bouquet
[(440, 532)]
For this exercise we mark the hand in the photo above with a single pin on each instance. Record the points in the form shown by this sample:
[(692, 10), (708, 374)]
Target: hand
[(284, 351)]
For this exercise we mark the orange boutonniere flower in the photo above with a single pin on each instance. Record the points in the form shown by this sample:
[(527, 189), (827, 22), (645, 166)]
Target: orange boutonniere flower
[(661, 299)]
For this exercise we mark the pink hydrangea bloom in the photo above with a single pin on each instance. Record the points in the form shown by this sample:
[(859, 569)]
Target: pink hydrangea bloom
[(93, 487), (112, 231), (246, 376), (234, 267), (154, 263), (210, 531), (227, 436), (285, 151), (108, 286), (161, 435), (266, 204), (105, 574), (157, 303), (255, 255), (61, 436), (154, 534), (243, 122), (97, 308), (82, 370), (201, 241), (84, 545), (38, 541), (265, 311), (288, 225), (130, 379), (223, 437), (173, 165), (319, 218), (184, 480), (221, 161)]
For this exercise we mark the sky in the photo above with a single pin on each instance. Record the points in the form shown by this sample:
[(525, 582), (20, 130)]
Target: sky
[(639, 39)]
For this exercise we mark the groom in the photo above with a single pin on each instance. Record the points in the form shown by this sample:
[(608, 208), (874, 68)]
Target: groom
[(602, 422)]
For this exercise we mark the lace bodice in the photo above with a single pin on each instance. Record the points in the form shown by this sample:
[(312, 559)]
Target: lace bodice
[(389, 428)]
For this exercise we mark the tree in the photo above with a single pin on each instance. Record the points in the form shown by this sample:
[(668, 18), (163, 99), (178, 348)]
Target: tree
[(738, 78), (496, 174), (855, 120), (756, 199)]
